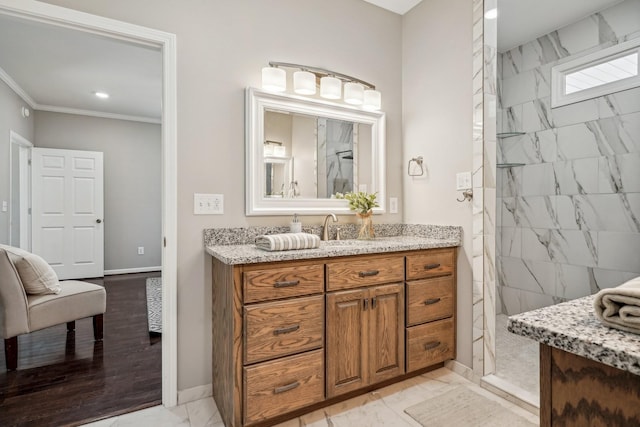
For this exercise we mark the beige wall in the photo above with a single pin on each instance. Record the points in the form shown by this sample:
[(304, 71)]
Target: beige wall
[(222, 46), (132, 185), (437, 114), (10, 120)]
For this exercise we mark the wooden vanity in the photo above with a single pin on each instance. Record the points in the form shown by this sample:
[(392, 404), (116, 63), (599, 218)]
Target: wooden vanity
[(292, 336), (589, 373)]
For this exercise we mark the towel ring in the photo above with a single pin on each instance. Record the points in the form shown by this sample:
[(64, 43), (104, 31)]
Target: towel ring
[(418, 161)]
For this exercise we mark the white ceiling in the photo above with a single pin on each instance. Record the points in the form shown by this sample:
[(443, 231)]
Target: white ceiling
[(58, 69), (398, 6), (520, 21)]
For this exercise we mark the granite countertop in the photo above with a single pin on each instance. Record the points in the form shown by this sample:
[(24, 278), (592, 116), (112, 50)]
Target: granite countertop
[(249, 254), (573, 327)]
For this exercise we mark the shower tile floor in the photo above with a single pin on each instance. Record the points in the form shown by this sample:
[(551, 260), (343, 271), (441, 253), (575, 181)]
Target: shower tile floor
[(517, 358)]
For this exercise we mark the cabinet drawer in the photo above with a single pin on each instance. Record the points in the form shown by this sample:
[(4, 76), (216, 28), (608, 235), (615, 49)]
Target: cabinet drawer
[(364, 271), (429, 344), (283, 385), (429, 299), (280, 328), (432, 263), (275, 283)]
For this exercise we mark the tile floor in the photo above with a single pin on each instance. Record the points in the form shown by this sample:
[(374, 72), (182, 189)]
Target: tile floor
[(517, 358), (383, 407)]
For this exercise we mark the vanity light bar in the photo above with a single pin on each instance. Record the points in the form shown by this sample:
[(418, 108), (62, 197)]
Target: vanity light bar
[(356, 91)]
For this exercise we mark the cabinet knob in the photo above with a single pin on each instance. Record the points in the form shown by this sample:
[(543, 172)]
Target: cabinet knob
[(286, 284), (431, 345), (286, 330), (368, 273), (287, 387), (98, 220)]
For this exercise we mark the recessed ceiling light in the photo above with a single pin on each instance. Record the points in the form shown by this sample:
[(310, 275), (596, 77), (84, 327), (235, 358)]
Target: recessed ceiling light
[(491, 13), (101, 95)]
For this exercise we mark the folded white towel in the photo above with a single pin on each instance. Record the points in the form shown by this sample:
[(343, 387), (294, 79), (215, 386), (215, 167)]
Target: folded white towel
[(287, 242), (620, 307)]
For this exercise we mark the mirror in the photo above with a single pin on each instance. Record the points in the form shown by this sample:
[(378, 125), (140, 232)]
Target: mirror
[(301, 151)]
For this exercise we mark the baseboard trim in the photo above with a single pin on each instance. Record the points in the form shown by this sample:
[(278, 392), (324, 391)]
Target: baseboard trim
[(132, 270), (462, 370), (512, 393), (194, 393)]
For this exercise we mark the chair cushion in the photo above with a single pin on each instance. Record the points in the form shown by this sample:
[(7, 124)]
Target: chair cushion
[(77, 300), (36, 274)]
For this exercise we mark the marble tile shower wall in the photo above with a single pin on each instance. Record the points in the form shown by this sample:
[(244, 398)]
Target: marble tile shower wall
[(569, 219)]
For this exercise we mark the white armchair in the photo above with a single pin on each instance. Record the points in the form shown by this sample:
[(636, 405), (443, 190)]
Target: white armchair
[(21, 313)]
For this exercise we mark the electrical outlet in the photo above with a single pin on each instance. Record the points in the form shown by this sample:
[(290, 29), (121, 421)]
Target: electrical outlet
[(140, 250), (463, 181), (5, 206), (393, 205), (208, 204)]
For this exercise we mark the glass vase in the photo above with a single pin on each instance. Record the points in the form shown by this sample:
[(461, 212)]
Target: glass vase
[(366, 226)]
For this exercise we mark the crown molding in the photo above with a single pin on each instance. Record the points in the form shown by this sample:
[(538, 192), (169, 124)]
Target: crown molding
[(80, 112), (17, 88), (92, 113)]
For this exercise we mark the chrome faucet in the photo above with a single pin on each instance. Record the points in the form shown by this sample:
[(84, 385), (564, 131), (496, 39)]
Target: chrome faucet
[(325, 227)]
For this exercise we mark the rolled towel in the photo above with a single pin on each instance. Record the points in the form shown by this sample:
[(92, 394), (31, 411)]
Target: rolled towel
[(620, 307), (287, 241)]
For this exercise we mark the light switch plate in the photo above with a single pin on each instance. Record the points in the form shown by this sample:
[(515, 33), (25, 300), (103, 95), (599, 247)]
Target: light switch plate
[(5, 206), (208, 204), (463, 181), (393, 205)]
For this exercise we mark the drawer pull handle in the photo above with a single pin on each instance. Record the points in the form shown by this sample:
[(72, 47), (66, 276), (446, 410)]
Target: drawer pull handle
[(287, 387), (432, 266), (432, 301), (365, 303), (431, 345), (368, 273), (286, 330), (286, 284)]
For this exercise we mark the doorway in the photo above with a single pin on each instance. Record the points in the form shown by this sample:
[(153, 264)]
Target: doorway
[(166, 42), (20, 191)]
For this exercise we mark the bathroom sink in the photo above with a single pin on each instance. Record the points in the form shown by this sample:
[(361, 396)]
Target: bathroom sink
[(329, 243)]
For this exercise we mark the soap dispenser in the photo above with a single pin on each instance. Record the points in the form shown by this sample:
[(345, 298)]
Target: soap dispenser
[(295, 226)]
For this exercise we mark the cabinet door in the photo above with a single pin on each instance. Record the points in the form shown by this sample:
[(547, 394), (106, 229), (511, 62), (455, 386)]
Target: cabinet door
[(386, 332), (346, 346)]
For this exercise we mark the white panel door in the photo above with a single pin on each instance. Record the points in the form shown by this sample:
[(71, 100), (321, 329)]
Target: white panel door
[(67, 211)]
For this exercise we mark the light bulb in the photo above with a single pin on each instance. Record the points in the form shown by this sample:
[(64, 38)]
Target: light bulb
[(330, 88), (274, 79), (372, 100), (304, 83), (353, 93)]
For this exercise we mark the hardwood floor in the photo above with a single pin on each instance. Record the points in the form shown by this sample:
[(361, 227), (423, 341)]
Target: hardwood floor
[(69, 379)]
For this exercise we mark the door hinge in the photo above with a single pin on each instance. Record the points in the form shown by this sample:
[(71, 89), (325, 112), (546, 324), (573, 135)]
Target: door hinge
[(29, 162), (29, 211), (165, 241)]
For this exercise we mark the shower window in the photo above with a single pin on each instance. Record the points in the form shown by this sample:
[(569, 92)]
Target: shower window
[(600, 73)]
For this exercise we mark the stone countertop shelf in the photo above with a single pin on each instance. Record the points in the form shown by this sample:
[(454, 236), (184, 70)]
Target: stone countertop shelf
[(249, 254), (573, 327)]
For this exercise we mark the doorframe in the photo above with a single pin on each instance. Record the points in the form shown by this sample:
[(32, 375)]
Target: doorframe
[(20, 141), (56, 15)]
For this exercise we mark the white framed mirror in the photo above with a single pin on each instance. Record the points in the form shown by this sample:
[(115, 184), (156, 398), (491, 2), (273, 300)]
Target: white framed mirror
[(301, 151)]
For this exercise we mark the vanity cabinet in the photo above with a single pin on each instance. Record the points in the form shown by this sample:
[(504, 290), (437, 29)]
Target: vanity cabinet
[(430, 332), (365, 342), (292, 336)]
